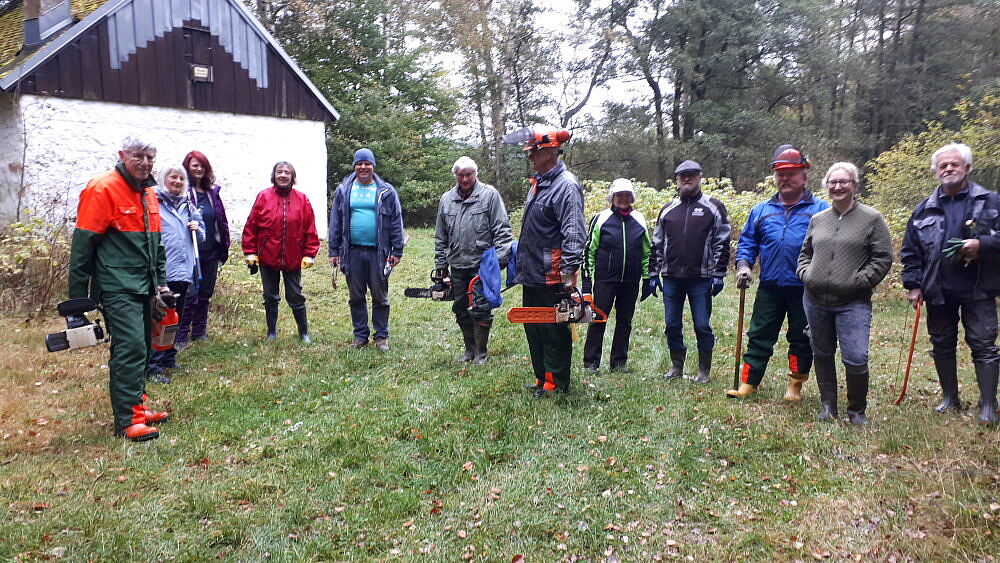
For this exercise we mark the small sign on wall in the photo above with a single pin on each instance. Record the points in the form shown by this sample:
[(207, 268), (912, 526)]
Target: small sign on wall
[(201, 73)]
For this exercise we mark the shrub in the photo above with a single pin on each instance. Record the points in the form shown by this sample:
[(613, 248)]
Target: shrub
[(34, 261), (900, 177)]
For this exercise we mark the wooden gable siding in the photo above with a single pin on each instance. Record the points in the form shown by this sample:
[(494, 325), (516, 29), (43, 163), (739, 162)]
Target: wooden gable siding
[(158, 74)]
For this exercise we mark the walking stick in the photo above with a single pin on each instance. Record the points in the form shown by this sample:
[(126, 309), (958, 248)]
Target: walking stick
[(909, 359), (739, 336)]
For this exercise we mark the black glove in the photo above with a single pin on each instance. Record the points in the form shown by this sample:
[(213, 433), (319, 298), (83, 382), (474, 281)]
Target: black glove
[(163, 299), (717, 285), (649, 287), (588, 285), (440, 273)]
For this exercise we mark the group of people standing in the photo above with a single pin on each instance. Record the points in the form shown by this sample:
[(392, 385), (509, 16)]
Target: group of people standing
[(138, 249)]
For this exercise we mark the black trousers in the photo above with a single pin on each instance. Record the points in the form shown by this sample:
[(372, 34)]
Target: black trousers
[(270, 279), (622, 296), (978, 316)]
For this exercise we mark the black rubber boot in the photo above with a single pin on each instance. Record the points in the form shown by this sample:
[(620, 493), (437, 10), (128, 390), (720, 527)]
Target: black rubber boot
[(826, 380), (677, 364), (271, 317), (986, 377), (303, 323), (469, 337), (947, 372), (704, 367), (857, 394), (482, 338)]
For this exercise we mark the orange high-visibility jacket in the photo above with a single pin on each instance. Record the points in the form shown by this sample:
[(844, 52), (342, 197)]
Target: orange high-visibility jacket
[(116, 244)]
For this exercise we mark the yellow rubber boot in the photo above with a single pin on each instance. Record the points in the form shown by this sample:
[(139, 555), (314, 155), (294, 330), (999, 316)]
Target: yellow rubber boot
[(793, 392), (745, 390)]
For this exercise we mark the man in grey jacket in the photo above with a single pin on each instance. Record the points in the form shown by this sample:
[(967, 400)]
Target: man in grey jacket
[(549, 253), (951, 260), (471, 218)]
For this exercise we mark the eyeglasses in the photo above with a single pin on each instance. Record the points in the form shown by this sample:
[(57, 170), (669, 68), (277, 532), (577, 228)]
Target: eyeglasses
[(839, 182), (141, 156)]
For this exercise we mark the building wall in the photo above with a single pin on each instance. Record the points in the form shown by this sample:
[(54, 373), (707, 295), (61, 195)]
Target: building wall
[(11, 152), (69, 141)]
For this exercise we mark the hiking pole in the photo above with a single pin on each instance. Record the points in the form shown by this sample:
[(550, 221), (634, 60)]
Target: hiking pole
[(739, 335), (909, 359)]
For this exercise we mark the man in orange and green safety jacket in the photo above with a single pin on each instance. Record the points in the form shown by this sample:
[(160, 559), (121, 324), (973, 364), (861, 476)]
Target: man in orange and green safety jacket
[(117, 259)]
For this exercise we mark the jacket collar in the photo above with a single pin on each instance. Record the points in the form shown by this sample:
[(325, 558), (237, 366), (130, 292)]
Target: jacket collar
[(456, 194), (974, 190), (807, 198), (132, 183), (546, 179), (349, 180)]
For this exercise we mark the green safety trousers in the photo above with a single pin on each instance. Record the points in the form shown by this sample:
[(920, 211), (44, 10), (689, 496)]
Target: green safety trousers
[(550, 345), (770, 307), (128, 317)]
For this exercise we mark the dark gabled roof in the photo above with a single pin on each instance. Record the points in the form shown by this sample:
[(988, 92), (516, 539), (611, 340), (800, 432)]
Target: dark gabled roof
[(12, 30), (15, 65)]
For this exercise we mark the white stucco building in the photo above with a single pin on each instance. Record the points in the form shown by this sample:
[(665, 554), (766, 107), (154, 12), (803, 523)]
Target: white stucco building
[(184, 74)]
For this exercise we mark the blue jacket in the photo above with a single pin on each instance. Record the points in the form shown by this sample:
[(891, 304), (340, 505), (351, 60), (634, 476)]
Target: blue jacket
[(776, 234), (388, 222), (177, 238), (924, 241)]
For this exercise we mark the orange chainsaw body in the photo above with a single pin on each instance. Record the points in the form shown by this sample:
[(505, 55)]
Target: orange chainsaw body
[(570, 310)]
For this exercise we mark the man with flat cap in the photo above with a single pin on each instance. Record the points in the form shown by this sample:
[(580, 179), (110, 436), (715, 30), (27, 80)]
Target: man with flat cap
[(690, 256), (774, 231)]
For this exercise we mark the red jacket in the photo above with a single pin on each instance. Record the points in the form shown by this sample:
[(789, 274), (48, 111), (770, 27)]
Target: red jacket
[(281, 229)]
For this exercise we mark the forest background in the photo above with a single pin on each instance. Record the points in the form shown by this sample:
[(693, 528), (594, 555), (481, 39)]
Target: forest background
[(645, 84)]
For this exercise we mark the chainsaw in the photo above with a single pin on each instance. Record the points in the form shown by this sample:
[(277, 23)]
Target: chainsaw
[(574, 307), (439, 291)]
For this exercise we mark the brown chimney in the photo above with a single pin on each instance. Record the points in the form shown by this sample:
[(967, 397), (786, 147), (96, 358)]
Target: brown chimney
[(43, 18)]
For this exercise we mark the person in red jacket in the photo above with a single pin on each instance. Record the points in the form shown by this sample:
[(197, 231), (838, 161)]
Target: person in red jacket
[(280, 237)]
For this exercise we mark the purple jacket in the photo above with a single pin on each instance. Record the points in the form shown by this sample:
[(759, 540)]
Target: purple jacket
[(221, 223)]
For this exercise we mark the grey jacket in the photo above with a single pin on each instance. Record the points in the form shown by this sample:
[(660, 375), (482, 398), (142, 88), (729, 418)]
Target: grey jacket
[(924, 241), (465, 228), (553, 231), (845, 256)]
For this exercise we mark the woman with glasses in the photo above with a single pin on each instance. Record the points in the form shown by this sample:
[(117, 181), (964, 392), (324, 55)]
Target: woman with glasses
[(846, 253)]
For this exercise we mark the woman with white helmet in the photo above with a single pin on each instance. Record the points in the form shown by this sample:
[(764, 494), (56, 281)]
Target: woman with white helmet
[(615, 262)]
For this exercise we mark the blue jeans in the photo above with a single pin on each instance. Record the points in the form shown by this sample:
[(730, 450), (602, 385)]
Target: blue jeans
[(850, 325), (699, 294)]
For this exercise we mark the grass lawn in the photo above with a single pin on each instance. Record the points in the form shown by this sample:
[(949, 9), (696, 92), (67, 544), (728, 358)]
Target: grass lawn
[(289, 452)]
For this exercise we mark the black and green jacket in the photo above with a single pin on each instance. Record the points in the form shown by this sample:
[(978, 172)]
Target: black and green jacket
[(617, 247)]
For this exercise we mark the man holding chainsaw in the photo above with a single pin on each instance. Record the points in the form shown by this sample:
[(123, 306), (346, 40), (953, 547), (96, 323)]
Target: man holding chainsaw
[(117, 259), (691, 254), (471, 219), (549, 253), (951, 261), (774, 231)]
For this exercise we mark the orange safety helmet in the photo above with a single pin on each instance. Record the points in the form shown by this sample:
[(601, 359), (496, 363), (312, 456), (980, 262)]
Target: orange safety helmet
[(538, 137), (787, 156)]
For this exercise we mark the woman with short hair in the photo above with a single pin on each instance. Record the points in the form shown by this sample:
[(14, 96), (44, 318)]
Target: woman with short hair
[(280, 237), (846, 253), (178, 218)]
